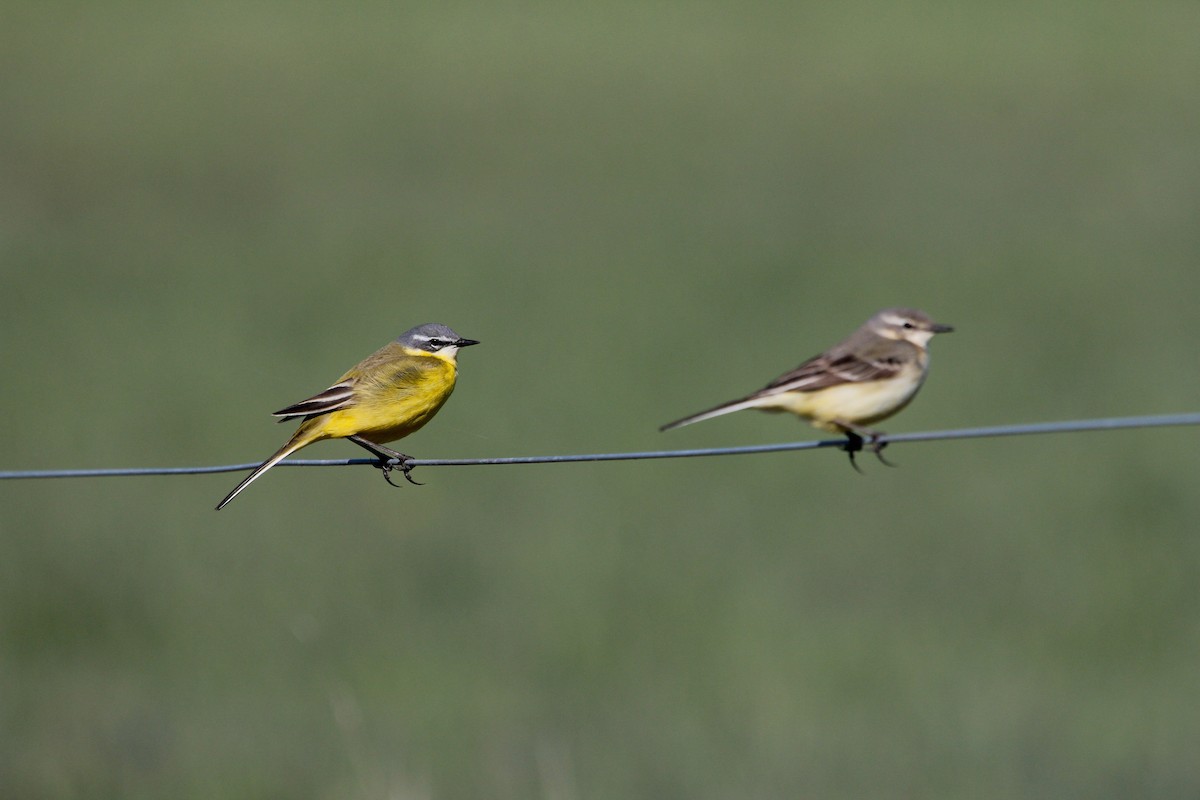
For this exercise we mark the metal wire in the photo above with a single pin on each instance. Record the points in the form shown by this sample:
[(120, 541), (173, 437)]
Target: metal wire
[(1033, 429)]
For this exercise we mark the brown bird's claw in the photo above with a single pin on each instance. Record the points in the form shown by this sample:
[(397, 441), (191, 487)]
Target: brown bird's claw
[(387, 467), (877, 448), (855, 441)]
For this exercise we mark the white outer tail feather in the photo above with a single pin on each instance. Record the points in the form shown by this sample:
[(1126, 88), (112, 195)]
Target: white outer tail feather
[(283, 453)]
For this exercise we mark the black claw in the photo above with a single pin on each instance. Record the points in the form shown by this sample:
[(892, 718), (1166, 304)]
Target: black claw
[(877, 448), (392, 464), (386, 468), (407, 470), (388, 460)]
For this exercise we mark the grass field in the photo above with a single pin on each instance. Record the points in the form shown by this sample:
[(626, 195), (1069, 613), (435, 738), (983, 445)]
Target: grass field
[(209, 211)]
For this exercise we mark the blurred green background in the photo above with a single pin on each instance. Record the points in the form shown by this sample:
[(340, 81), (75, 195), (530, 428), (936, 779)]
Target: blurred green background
[(208, 211)]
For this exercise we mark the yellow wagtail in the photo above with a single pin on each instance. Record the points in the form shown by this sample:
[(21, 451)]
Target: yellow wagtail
[(868, 377), (386, 396)]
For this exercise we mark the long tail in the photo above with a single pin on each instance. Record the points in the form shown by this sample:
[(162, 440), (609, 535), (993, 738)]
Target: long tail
[(754, 401), (302, 437)]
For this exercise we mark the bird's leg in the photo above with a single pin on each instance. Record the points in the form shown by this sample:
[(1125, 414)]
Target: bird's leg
[(855, 434), (854, 443), (386, 455)]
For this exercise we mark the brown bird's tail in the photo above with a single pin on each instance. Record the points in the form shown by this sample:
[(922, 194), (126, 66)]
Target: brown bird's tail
[(754, 401)]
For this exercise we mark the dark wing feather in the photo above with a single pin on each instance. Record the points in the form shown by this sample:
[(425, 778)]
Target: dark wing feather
[(337, 396)]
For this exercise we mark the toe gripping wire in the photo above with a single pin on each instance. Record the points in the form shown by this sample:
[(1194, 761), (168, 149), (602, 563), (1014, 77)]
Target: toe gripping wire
[(389, 460)]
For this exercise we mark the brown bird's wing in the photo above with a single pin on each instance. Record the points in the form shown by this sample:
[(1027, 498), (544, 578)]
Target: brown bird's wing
[(837, 367)]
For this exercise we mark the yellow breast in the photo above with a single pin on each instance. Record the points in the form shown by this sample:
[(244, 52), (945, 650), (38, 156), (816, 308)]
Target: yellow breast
[(392, 400)]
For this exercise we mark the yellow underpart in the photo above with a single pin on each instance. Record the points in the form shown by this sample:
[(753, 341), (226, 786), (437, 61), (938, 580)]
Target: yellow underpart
[(389, 404)]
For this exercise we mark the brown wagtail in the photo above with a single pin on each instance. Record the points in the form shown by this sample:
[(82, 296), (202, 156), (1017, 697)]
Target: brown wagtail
[(867, 378)]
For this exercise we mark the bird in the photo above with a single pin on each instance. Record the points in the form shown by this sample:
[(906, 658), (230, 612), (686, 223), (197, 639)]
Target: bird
[(386, 396), (872, 374)]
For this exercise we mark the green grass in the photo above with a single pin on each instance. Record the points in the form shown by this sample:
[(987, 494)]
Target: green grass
[(209, 212)]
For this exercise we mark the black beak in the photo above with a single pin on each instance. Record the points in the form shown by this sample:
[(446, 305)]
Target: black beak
[(466, 342), (939, 328)]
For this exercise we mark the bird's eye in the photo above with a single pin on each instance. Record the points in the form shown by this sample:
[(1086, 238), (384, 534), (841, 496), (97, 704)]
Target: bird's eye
[(436, 344), (909, 325)]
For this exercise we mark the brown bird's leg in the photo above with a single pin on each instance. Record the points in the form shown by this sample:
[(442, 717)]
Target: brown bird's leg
[(855, 434), (854, 443), (385, 455)]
